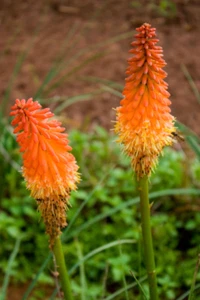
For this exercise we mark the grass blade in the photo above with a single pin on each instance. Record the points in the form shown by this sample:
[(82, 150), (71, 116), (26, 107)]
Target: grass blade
[(16, 70), (34, 281), (192, 295), (183, 297), (67, 236), (85, 202), (20, 60), (57, 68), (154, 195), (59, 64), (120, 291), (82, 271), (105, 277), (8, 159), (100, 249), (56, 64), (10, 42), (53, 295), (140, 286), (97, 46), (191, 82), (84, 63), (124, 278), (112, 91), (192, 139), (186, 130), (194, 145), (71, 100), (110, 83), (94, 252), (9, 269)]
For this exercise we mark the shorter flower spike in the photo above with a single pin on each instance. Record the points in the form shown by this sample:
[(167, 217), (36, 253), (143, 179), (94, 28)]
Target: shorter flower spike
[(49, 169), (144, 123)]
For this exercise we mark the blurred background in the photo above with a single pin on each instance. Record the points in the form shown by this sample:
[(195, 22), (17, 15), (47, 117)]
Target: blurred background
[(72, 56), (67, 49)]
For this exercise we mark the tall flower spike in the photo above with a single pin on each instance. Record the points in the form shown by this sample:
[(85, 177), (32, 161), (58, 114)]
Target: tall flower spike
[(49, 169), (144, 123)]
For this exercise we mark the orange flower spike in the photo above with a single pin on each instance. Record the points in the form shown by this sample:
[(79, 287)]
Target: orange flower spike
[(144, 123), (49, 169)]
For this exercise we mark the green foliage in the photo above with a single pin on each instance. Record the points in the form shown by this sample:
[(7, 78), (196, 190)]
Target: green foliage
[(165, 8), (107, 182), (196, 171), (170, 171)]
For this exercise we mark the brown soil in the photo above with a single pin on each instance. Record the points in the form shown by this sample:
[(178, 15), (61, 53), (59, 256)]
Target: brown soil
[(39, 28), (15, 292)]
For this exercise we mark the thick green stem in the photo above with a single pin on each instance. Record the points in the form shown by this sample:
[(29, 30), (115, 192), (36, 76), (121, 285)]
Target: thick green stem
[(62, 270), (147, 237)]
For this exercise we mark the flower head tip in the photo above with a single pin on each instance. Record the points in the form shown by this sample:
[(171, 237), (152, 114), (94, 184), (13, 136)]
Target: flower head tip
[(144, 123), (49, 169)]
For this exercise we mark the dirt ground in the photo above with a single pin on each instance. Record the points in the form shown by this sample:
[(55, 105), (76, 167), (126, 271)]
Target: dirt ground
[(39, 29)]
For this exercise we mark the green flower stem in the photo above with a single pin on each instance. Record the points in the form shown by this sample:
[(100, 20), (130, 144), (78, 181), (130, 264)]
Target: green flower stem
[(62, 270), (147, 237)]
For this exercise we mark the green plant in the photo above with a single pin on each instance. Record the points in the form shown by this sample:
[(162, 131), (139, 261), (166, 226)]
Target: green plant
[(105, 209), (165, 8)]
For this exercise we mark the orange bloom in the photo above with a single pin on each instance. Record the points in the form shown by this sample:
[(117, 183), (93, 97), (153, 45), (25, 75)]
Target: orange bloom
[(49, 169), (144, 123)]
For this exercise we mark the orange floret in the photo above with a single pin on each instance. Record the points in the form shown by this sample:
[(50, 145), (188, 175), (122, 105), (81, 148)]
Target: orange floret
[(144, 123), (49, 169)]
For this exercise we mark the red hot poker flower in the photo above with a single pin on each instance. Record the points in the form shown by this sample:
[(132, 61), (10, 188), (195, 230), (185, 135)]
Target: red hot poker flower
[(144, 123), (49, 169)]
